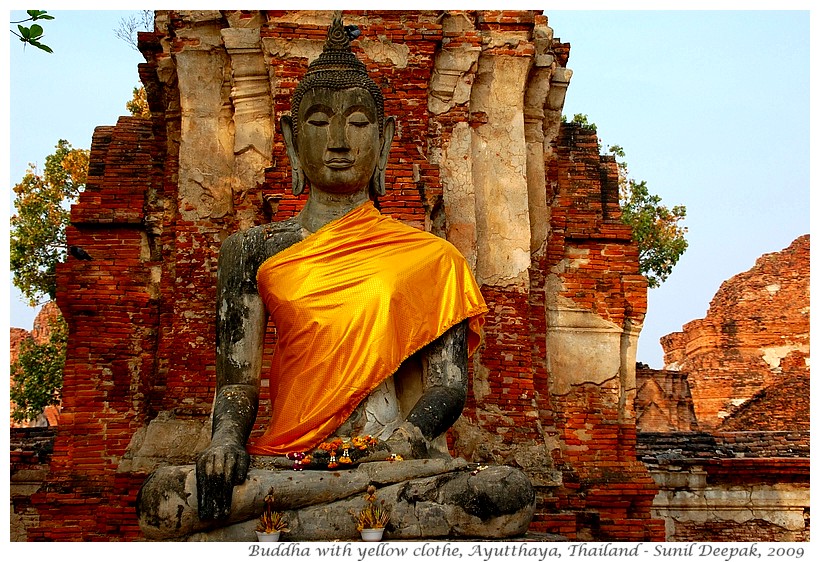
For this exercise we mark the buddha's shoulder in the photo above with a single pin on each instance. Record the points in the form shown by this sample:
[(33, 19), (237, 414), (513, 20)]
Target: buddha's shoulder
[(249, 248), (280, 234)]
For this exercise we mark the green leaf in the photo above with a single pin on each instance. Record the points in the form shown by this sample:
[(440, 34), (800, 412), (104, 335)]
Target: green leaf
[(45, 48), (39, 15), (25, 32), (36, 31), (655, 228)]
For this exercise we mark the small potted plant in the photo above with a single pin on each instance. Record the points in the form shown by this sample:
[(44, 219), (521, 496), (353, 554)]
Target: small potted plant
[(271, 522), (373, 517)]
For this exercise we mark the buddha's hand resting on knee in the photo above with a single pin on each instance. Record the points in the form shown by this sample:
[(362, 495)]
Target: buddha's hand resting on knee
[(219, 468)]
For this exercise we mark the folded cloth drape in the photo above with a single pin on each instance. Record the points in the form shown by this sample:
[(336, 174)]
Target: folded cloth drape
[(350, 303)]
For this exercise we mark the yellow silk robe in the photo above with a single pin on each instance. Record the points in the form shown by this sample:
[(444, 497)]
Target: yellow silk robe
[(350, 303)]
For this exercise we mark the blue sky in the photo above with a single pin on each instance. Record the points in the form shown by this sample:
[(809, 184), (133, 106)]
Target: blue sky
[(711, 107)]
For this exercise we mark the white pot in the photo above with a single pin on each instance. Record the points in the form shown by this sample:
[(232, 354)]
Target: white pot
[(372, 535), (261, 536)]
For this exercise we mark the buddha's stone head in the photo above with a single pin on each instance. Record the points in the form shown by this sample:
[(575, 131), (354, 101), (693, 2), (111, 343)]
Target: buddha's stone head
[(337, 136)]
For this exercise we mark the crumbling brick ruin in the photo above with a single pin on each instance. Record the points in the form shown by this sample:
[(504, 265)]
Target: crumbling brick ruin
[(481, 157), (757, 324), (724, 429)]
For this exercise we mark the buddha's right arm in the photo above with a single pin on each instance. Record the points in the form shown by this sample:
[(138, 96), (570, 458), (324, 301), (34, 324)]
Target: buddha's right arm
[(240, 330)]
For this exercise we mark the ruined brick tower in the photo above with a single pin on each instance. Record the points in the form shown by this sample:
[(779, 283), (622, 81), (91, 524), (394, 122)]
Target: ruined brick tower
[(481, 157)]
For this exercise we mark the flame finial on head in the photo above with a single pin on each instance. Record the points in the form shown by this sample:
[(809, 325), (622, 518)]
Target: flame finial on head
[(336, 54), (337, 37)]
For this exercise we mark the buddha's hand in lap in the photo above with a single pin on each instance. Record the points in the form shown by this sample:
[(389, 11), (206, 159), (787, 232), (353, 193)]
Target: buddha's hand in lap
[(408, 442), (219, 468)]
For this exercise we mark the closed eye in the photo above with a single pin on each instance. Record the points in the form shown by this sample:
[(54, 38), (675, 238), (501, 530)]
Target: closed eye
[(358, 118)]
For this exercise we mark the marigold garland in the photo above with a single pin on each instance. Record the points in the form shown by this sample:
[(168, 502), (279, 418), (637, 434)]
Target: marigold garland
[(338, 451)]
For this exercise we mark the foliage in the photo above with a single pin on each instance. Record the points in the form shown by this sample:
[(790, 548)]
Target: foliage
[(128, 30), (128, 27), (32, 34), (41, 202), (271, 520), (581, 119), (656, 228), (37, 375), (374, 515), (138, 106)]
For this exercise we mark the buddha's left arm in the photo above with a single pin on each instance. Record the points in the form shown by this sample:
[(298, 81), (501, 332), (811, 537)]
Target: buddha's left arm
[(444, 362)]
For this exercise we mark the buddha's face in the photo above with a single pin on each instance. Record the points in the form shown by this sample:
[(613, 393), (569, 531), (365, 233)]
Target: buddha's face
[(338, 139)]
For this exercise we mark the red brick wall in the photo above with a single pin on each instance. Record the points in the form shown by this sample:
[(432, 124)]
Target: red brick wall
[(141, 313), (605, 485), (755, 530), (112, 319)]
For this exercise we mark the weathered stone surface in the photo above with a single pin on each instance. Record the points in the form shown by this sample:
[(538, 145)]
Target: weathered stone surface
[(206, 179), (664, 401), (479, 503), (499, 157), (583, 347), (454, 504), (252, 111), (165, 440)]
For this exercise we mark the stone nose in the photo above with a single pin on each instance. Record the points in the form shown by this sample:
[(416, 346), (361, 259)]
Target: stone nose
[(337, 134)]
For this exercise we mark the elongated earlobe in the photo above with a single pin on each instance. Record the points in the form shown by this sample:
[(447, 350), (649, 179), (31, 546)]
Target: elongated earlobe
[(377, 182), (298, 176)]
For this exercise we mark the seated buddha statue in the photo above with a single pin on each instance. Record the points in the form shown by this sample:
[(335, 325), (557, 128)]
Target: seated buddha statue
[(375, 322)]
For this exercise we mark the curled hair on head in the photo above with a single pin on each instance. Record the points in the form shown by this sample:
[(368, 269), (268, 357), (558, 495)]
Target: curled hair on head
[(337, 68)]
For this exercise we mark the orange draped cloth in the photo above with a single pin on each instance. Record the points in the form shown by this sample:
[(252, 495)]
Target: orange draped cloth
[(350, 303)]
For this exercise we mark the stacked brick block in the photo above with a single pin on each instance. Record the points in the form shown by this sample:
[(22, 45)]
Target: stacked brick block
[(602, 480), (112, 318)]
